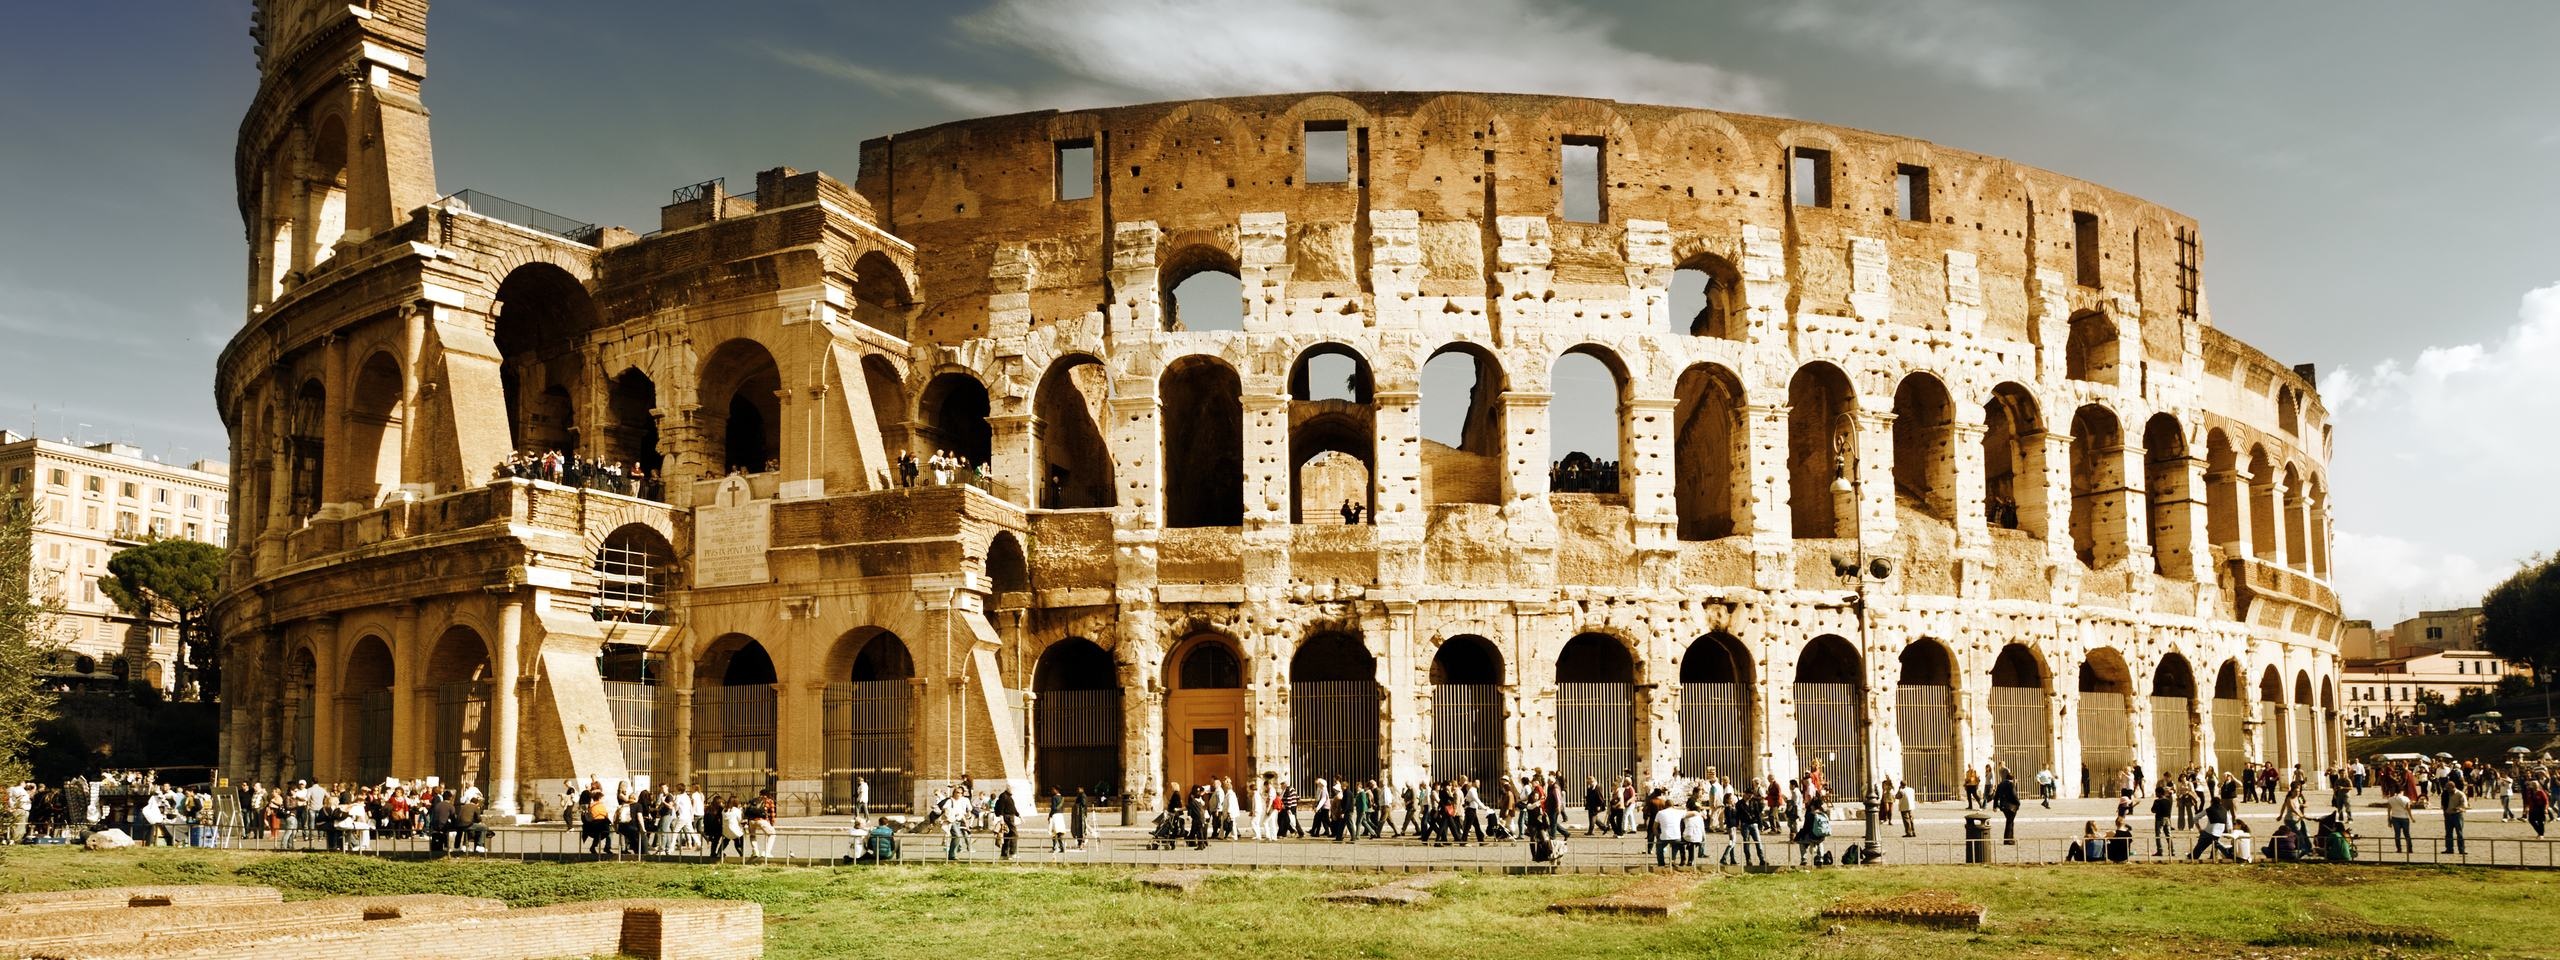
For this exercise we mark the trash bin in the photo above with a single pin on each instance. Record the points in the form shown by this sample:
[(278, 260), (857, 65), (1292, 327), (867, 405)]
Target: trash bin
[(1977, 838)]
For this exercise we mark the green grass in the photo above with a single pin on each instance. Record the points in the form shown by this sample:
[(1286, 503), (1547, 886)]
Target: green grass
[(927, 911)]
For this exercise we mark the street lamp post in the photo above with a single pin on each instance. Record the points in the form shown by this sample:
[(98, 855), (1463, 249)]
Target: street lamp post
[(1854, 571)]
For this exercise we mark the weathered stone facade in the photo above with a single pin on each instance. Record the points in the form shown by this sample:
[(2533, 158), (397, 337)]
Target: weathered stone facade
[(2055, 453)]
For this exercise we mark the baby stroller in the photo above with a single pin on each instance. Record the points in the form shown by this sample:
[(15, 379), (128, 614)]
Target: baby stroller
[(1169, 832)]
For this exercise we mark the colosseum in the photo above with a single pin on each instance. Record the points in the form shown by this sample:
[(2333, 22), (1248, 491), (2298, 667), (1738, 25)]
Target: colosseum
[(1368, 435)]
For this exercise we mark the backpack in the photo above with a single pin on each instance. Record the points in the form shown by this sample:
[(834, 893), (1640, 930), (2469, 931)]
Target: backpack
[(1818, 826)]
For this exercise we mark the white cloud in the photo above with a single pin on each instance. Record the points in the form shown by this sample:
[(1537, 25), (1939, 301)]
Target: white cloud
[(2445, 465), (1989, 43), (1113, 51)]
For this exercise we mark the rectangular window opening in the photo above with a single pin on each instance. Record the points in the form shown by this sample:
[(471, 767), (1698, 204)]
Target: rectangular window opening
[(2084, 243), (1328, 151), (1583, 173), (1809, 177), (1075, 169), (1911, 192)]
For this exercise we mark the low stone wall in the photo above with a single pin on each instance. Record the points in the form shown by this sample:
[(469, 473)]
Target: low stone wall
[(648, 929), (113, 924), (101, 898)]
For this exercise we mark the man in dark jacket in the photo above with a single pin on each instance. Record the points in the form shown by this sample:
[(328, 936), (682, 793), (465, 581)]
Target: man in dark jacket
[(440, 821), (2006, 798)]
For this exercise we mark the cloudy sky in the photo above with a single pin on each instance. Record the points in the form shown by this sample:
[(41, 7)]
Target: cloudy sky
[(2378, 182)]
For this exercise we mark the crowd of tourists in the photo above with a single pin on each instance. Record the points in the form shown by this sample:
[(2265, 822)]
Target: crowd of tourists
[(663, 820), (351, 817), (569, 469), (942, 468)]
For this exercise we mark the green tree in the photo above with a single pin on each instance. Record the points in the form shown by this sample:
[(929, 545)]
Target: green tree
[(26, 638), (172, 583), (2520, 617)]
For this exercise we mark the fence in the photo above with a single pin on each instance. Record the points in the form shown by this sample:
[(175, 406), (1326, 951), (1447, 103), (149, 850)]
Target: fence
[(733, 738), (636, 708), (373, 736), (462, 730), (1079, 740), (2173, 733), (1827, 731), (1925, 715), (1466, 731), (1595, 732), (1333, 731), (2230, 743), (2106, 738), (1715, 730), (2021, 731), (868, 728)]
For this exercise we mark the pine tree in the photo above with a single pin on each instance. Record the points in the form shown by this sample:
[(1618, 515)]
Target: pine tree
[(27, 617)]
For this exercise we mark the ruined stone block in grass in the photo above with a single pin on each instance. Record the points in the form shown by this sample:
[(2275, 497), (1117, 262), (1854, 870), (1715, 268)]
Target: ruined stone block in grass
[(1409, 891), (2329, 926), (1657, 895), (1178, 881), (1925, 908)]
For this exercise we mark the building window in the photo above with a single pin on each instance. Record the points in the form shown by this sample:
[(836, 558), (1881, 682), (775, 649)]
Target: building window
[(2084, 243), (93, 518), (1075, 169), (222, 507), (1328, 147), (195, 531), (195, 501), (61, 478), (18, 476), (2187, 270), (1809, 177), (1911, 192), (129, 490), (94, 484), (159, 494), (1584, 171)]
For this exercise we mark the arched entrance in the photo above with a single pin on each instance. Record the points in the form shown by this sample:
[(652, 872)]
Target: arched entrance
[(1333, 711), (1203, 464), (741, 416), (2106, 721), (1924, 714), (2306, 739), (1461, 422), (458, 670), (1078, 730), (1466, 710), (1715, 708), (2272, 719), (2021, 721), (1828, 721), (1595, 710), (1204, 711), (2230, 716), (1332, 434), (1075, 462), (954, 418), (868, 717), (2173, 732), (367, 682), (733, 717), (301, 704)]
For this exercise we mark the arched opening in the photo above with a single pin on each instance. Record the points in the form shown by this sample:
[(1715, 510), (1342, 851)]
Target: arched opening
[(1202, 470), (2092, 353), (1715, 709), (1820, 403), (2173, 717), (1332, 436), (2297, 549), (2306, 737), (742, 407), (1924, 455), (301, 710), (954, 422), (1706, 298), (367, 695), (1007, 570), (2230, 716), (1333, 711), (1586, 422), (328, 189), (2106, 721), (2264, 492), (1075, 463), (1924, 713), (888, 405), (733, 717), (2272, 722), (2164, 483), (2223, 496), (2097, 487), (2021, 717), (2289, 411), (305, 449), (1595, 710), (2329, 728), (1708, 451), (631, 432), (1462, 432), (1202, 291), (1830, 693), (1466, 710), (374, 434), (2013, 461), (870, 717), (2315, 505), (543, 317), (1204, 723), (880, 297), (635, 570), (635, 697), (1078, 730), (458, 671)]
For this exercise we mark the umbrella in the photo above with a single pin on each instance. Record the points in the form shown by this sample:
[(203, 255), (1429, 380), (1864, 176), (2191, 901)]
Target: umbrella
[(2519, 750), (2444, 756), (2492, 715)]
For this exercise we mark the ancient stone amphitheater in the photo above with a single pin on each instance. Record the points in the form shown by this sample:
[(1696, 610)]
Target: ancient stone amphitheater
[(1674, 439)]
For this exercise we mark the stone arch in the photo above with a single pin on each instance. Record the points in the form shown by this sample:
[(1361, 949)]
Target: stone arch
[(365, 689), (2173, 715), (1924, 456), (1069, 407), (1463, 442), (882, 294), (375, 437), (542, 318), (326, 174), (1334, 700), (2224, 493), (2306, 737), (1830, 700), (1582, 381), (1202, 468), (1706, 298), (458, 669), (2098, 494), (1332, 410), (1716, 708), (888, 391), (306, 448), (635, 570), (2274, 718), (951, 415), (1821, 404), (2168, 496), (1710, 450), (1078, 723), (2289, 410), (2091, 354), (1467, 710), (1205, 729), (301, 702), (2230, 718), (871, 687), (2106, 719), (2021, 720), (1208, 281), (1924, 716), (2297, 547), (2264, 510), (734, 687), (631, 422), (741, 419), (1595, 709), (2013, 461)]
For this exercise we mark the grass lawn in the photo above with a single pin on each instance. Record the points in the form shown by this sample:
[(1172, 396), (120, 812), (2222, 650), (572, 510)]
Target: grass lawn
[(933, 911)]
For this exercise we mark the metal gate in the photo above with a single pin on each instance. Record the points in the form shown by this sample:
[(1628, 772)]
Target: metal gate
[(1926, 717), (1466, 731), (733, 738), (1595, 732), (635, 723), (1827, 730), (1333, 731), (462, 731), (867, 737), (2173, 731), (2305, 749), (373, 737), (1715, 731), (1079, 741), (2230, 743), (300, 755), (2021, 733), (2106, 740)]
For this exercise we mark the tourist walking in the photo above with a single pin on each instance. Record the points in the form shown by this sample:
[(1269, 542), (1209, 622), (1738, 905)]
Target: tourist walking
[(2005, 797), (2455, 802), (2395, 809)]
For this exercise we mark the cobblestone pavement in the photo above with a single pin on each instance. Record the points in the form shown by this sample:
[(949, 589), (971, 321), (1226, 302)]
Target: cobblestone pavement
[(2043, 836)]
